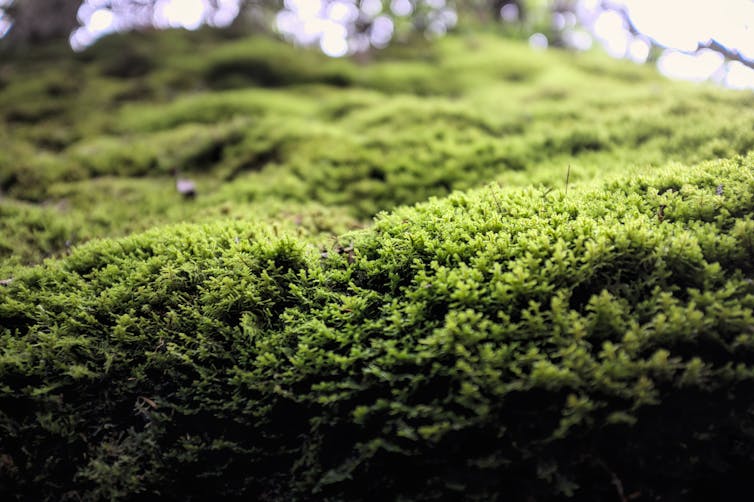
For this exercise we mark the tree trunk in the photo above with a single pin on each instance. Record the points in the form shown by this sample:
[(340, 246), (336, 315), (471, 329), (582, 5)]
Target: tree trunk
[(36, 21)]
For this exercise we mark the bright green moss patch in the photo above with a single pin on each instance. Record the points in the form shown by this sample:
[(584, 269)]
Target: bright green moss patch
[(497, 343)]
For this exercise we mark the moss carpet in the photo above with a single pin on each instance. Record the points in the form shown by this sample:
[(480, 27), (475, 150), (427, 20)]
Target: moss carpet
[(462, 270)]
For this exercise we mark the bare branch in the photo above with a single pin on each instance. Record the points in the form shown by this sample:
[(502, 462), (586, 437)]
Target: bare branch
[(711, 44), (730, 54), (621, 9)]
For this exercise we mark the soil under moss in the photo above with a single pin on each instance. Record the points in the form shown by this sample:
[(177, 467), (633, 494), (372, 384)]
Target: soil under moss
[(513, 336)]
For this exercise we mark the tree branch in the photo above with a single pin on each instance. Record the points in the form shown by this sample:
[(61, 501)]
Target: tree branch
[(730, 54), (711, 44)]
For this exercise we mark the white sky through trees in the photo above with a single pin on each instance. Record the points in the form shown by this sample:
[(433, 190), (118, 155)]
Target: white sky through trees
[(678, 25)]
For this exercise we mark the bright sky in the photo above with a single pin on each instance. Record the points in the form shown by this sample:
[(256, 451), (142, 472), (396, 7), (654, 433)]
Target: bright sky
[(4, 22), (680, 25), (98, 20), (308, 22)]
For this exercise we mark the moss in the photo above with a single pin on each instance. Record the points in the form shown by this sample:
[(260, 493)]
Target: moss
[(554, 299), (367, 147), (211, 108), (184, 148), (263, 63), (32, 233), (496, 341)]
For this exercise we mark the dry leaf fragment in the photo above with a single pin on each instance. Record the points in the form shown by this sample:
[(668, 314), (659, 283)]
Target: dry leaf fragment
[(151, 403)]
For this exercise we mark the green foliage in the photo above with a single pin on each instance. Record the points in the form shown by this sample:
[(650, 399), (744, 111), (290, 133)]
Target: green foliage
[(509, 337)]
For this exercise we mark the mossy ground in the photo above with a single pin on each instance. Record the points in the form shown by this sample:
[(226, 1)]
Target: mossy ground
[(91, 141), (510, 336)]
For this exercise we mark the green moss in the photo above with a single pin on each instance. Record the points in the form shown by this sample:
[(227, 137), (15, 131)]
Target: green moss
[(30, 234), (184, 148), (480, 110), (497, 341), (569, 304)]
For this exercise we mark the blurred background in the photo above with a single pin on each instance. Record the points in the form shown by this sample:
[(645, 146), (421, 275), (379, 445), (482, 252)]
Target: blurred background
[(698, 40)]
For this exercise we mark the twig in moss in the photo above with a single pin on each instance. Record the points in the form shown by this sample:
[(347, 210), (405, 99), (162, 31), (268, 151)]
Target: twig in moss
[(614, 479), (618, 487), (240, 257), (349, 251), (568, 178), (143, 405), (497, 201), (151, 403)]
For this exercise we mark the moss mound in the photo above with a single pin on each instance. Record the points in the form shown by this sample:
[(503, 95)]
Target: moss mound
[(511, 336), (497, 343)]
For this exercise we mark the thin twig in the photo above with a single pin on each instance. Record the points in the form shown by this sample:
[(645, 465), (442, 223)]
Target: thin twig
[(614, 479), (568, 177), (497, 201)]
